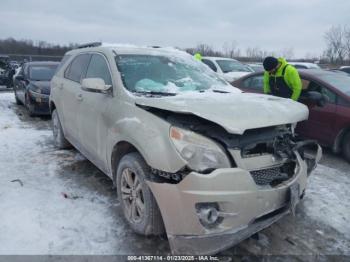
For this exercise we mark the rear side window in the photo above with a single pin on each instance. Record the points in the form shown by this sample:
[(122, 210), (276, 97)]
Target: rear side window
[(77, 68), (98, 68)]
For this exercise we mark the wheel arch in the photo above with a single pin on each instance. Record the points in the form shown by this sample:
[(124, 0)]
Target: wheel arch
[(337, 145), (52, 106), (119, 150)]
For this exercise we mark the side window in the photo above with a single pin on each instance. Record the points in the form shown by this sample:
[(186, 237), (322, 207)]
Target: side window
[(255, 82), (210, 64), (98, 68), (331, 96), (77, 68), (300, 66)]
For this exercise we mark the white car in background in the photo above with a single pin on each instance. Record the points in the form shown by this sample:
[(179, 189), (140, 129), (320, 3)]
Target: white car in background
[(230, 69), (17, 70), (304, 65)]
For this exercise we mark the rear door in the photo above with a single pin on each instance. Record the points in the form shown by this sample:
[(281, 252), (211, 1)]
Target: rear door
[(321, 119), (92, 112), (70, 95)]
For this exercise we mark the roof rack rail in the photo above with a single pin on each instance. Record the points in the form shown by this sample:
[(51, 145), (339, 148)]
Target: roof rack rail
[(93, 44)]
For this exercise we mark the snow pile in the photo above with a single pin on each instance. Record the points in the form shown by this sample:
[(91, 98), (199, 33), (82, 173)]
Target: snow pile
[(48, 205), (328, 198)]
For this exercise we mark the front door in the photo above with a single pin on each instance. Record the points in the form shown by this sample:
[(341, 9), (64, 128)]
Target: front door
[(92, 113), (321, 120)]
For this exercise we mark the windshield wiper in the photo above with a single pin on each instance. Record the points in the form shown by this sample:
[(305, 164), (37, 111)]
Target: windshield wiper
[(220, 91), (154, 93), (215, 91)]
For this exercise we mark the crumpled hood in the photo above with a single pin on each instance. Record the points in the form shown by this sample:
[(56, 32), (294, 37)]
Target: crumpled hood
[(43, 85), (231, 76), (236, 112)]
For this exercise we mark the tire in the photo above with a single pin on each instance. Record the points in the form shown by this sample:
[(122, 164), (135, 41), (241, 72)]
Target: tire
[(139, 206), (18, 102), (346, 146), (59, 140), (27, 105)]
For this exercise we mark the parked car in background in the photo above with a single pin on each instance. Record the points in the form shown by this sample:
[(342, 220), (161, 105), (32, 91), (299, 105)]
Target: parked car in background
[(230, 69), (6, 71), (257, 67), (14, 64), (345, 69), (304, 65), (17, 70), (32, 86), (189, 154), (329, 124)]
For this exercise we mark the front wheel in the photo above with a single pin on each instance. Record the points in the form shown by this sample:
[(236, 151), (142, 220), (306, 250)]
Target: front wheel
[(346, 146), (29, 106), (137, 201)]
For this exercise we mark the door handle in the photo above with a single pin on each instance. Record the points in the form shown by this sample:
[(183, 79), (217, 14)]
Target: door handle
[(79, 97)]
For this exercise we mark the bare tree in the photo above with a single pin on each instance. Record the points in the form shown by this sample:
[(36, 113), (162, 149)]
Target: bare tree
[(347, 42), (335, 44), (231, 50), (287, 53)]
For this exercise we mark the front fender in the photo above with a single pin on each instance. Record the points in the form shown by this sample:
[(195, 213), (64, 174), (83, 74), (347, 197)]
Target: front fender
[(149, 134)]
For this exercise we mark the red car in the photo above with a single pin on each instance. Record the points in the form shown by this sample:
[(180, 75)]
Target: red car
[(329, 123)]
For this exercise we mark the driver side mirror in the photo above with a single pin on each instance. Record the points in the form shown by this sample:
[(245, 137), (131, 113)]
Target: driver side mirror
[(316, 98), (96, 85)]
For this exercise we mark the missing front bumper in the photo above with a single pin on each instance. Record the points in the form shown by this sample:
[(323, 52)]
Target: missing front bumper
[(212, 244)]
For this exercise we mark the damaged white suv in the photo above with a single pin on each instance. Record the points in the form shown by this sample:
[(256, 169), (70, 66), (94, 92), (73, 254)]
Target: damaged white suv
[(190, 155)]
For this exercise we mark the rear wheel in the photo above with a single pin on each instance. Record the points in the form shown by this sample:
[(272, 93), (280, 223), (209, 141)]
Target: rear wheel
[(59, 140), (137, 201), (346, 146), (29, 106), (18, 102)]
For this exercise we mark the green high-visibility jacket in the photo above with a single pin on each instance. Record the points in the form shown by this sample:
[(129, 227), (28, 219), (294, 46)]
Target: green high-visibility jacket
[(291, 77)]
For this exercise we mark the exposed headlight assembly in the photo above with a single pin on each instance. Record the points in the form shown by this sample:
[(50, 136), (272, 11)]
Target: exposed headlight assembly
[(200, 152)]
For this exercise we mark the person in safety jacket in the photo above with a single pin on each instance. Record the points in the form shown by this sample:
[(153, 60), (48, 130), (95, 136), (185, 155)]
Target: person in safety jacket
[(281, 79), (198, 56)]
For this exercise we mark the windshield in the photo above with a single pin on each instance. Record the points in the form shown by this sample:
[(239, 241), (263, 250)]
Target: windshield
[(163, 74), (338, 80), (42, 72), (233, 66)]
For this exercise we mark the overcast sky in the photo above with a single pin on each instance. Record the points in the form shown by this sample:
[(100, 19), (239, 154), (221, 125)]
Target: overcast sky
[(271, 25)]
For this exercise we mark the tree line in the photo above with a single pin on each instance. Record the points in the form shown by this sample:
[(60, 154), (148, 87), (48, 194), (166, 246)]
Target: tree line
[(337, 51), (22, 48), (338, 44)]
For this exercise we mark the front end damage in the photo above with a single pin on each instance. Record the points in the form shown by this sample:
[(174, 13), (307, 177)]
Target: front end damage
[(205, 212)]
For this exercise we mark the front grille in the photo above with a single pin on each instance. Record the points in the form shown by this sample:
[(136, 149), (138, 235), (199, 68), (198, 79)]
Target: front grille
[(270, 176)]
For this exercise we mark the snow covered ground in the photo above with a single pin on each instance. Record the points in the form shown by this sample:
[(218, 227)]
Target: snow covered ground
[(56, 202)]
